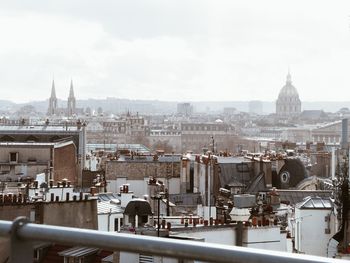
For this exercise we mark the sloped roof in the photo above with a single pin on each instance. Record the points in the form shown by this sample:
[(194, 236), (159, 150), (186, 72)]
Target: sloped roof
[(296, 196), (109, 203), (313, 114), (106, 207), (77, 252), (315, 203)]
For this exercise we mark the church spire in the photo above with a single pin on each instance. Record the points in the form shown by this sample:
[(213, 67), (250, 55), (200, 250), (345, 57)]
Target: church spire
[(71, 107), (71, 91), (52, 100), (53, 90)]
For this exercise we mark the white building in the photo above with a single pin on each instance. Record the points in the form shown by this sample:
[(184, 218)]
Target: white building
[(314, 226)]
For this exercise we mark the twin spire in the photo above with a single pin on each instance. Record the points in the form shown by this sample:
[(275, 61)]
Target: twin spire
[(71, 103), (53, 90)]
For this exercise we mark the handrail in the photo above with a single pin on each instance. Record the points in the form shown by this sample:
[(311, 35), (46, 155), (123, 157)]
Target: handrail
[(23, 233)]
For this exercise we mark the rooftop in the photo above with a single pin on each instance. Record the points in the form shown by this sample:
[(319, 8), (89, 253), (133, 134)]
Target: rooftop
[(315, 203), (38, 128)]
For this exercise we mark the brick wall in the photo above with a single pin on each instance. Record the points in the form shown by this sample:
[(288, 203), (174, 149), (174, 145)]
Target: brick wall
[(65, 163), (82, 214), (140, 170)]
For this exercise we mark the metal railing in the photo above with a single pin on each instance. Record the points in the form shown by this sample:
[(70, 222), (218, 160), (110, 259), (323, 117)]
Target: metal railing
[(22, 235)]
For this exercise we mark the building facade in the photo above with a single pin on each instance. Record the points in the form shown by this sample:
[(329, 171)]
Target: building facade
[(21, 160)]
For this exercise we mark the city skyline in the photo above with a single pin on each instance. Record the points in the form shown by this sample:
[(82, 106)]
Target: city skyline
[(174, 51)]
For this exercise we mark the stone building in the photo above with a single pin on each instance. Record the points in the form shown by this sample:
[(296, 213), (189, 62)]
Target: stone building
[(184, 109), (288, 103), (329, 133), (215, 136), (27, 159), (169, 136), (127, 129), (137, 170), (48, 134)]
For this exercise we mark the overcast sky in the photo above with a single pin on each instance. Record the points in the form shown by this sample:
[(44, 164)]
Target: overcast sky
[(176, 50)]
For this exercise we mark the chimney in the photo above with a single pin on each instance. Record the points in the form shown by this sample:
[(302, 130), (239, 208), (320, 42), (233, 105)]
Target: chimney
[(79, 124), (93, 190), (344, 134), (126, 195)]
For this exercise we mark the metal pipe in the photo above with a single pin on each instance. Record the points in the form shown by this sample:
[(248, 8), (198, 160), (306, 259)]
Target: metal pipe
[(151, 245), (209, 187), (158, 224), (333, 163)]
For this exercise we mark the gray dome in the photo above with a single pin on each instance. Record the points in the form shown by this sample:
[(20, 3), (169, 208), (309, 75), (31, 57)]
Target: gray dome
[(288, 102), (288, 90)]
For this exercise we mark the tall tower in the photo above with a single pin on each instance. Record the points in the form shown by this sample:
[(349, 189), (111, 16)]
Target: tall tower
[(52, 101), (71, 109)]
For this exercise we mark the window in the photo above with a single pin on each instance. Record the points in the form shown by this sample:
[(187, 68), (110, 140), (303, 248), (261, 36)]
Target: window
[(116, 223), (145, 259), (13, 157)]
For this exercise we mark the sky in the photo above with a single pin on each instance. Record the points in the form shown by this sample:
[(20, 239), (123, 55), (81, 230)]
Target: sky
[(174, 50)]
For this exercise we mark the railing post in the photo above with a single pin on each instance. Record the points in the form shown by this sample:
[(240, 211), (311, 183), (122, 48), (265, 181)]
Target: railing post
[(21, 251)]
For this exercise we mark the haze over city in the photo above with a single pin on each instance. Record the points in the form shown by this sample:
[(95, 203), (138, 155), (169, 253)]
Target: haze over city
[(168, 131), (174, 50)]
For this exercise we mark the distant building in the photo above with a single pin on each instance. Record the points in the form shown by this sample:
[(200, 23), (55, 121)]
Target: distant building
[(288, 103), (230, 111), (52, 101), (71, 105), (127, 129), (214, 136), (70, 111), (313, 115), (185, 109), (166, 136), (329, 133), (255, 106)]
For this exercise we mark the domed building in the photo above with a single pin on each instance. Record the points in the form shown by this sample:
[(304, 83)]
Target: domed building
[(288, 102)]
